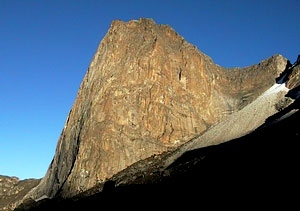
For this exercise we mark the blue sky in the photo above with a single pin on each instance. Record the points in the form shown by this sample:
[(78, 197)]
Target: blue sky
[(46, 48)]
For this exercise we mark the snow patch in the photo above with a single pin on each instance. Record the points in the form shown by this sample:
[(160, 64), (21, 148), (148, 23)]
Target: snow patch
[(275, 88)]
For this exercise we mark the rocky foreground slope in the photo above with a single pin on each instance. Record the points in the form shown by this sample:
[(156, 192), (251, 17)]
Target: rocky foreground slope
[(148, 112), (12, 190)]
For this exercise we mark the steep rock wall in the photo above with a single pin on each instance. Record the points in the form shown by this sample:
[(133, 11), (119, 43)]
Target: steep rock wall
[(146, 91)]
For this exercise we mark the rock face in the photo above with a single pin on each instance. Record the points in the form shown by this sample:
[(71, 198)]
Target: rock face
[(12, 190), (146, 92)]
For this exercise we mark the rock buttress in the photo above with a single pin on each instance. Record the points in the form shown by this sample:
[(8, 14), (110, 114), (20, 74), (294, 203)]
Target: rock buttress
[(146, 91)]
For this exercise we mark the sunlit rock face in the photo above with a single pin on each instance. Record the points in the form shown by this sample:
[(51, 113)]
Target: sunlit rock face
[(146, 91), (12, 190)]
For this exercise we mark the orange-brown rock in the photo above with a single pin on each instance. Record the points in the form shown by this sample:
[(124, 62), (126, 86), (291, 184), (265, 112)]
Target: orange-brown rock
[(146, 91)]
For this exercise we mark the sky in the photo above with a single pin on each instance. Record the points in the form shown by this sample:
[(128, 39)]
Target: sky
[(46, 47)]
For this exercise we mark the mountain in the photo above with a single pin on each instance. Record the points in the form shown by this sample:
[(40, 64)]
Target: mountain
[(154, 115)]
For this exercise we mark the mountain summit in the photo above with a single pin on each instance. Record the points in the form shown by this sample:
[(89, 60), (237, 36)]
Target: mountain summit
[(149, 97)]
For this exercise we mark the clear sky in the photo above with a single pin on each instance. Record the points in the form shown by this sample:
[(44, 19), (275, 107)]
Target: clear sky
[(46, 47)]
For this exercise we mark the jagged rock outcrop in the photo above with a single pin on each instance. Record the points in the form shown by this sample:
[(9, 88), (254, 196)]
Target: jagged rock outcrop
[(12, 190), (147, 98), (293, 80), (147, 91)]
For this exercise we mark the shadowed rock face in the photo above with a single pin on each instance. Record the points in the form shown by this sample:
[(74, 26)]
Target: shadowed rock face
[(146, 92)]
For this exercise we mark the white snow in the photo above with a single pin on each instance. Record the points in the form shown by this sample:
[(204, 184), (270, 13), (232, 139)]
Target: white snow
[(276, 88)]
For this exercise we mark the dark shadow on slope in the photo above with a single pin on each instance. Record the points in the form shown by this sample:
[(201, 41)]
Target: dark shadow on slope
[(261, 167), (294, 93), (294, 106)]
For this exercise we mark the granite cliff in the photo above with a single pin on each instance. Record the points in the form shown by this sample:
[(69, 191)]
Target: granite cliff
[(149, 97)]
